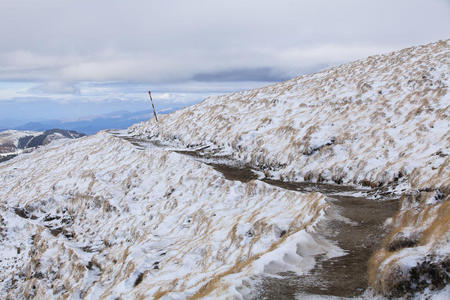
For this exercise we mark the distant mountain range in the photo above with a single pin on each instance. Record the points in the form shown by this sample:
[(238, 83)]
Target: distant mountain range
[(114, 120)]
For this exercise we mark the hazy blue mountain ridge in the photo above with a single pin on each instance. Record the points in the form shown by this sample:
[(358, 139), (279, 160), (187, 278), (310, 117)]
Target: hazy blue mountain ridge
[(115, 120)]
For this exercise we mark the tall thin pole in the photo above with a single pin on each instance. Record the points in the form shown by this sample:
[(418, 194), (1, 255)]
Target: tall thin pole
[(154, 111)]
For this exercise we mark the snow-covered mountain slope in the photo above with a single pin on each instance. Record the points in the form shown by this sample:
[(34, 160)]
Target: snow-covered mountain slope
[(377, 121), (14, 142), (373, 120), (9, 139), (97, 218)]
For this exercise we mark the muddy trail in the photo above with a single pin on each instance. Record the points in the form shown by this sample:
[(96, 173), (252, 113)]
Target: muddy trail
[(344, 276), (355, 224)]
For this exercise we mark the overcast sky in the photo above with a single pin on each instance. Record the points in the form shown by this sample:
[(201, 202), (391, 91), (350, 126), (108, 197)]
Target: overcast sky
[(111, 50)]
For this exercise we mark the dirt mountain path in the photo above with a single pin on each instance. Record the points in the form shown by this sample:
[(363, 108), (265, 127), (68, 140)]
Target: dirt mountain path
[(355, 225)]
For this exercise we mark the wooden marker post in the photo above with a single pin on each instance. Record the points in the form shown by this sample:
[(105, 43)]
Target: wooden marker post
[(154, 111)]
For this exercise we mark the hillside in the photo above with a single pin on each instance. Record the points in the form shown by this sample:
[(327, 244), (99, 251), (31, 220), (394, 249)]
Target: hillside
[(373, 120), (329, 184)]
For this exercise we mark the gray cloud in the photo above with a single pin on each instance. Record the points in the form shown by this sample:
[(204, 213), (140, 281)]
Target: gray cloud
[(254, 74), (174, 41)]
